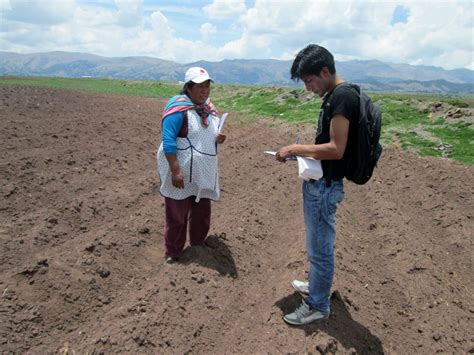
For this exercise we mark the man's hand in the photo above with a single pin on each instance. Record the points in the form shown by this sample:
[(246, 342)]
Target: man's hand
[(333, 150), (220, 138), (285, 153)]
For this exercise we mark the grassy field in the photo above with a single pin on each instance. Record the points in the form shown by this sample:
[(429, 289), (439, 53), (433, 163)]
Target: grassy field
[(424, 123)]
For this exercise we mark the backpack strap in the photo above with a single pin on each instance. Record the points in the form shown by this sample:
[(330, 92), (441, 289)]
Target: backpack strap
[(330, 164), (329, 177), (330, 168)]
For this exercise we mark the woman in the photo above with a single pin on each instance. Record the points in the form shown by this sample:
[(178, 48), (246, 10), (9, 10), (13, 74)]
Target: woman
[(187, 163)]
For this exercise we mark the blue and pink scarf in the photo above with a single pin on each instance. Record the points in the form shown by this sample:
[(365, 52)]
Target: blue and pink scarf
[(181, 103)]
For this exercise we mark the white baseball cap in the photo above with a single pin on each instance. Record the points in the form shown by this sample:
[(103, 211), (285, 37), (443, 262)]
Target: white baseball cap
[(197, 75)]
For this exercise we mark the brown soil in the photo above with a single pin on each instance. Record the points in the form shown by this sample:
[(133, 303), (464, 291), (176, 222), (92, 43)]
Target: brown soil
[(82, 252)]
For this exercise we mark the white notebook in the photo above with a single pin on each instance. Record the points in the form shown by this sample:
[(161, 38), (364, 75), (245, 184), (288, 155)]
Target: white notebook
[(309, 168), (221, 123)]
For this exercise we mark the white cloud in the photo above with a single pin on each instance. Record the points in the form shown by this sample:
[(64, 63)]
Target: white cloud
[(435, 32), (47, 12), (246, 47), (130, 12), (224, 9), (362, 29), (185, 51), (161, 24), (91, 17), (432, 36), (207, 29), (5, 6)]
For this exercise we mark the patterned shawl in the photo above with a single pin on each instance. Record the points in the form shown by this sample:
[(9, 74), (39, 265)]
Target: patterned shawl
[(181, 103)]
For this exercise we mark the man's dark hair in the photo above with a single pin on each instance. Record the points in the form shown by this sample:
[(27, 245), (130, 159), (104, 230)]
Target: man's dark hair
[(311, 60)]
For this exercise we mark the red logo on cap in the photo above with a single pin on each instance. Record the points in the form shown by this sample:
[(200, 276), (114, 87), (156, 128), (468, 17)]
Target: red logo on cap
[(202, 71)]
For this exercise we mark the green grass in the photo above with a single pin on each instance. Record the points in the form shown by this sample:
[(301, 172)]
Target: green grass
[(460, 136), (291, 105), (454, 100), (412, 128), (109, 86), (414, 140), (406, 117), (397, 113)]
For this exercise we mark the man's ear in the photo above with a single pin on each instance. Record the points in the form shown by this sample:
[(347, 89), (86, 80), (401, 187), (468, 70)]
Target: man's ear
[(325, 72)]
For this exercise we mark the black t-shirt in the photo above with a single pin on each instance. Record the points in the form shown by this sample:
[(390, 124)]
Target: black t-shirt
[(342, 100)]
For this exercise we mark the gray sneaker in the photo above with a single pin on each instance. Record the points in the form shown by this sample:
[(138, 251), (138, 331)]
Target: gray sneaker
[(301, 286), (170, 260), (304, 315)]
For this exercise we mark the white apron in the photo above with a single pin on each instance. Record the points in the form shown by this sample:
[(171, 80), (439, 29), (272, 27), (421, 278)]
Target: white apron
[(197, 157)]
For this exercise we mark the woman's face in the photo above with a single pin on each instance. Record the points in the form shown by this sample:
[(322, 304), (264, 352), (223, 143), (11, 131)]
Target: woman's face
[(198, 93)]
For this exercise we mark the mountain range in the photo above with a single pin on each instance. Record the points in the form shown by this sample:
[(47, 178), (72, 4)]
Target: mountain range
[(371, 75)]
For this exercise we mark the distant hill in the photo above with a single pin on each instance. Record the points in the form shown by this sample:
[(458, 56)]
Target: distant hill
[(372, 75)]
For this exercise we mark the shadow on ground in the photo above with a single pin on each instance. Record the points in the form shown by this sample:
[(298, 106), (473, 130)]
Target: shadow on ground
[(214, 254), (339, 326)]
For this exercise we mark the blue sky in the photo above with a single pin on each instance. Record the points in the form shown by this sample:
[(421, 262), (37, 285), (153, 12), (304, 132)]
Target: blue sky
[(434, 32)]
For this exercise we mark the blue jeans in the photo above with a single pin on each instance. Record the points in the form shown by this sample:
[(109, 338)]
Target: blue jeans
[(320, 204)]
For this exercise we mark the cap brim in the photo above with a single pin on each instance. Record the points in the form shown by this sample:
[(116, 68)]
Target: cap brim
[(202, 79)]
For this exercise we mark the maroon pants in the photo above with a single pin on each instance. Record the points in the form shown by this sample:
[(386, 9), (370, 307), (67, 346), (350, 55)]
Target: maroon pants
[(177, 214)]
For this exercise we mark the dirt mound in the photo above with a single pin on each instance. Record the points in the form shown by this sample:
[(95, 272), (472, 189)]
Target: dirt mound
[(82, 256), (446, 111)]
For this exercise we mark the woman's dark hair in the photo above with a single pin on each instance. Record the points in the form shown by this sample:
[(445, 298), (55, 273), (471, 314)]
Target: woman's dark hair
[(188, 85), (311, 60)]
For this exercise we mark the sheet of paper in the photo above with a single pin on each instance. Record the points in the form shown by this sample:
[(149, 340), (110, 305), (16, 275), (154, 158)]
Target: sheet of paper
[(221, 122)]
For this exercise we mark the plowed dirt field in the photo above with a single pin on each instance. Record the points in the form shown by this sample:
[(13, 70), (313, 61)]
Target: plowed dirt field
[(81, 229)]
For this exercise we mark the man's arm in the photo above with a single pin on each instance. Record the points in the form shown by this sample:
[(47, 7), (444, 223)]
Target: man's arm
[(334, 150)]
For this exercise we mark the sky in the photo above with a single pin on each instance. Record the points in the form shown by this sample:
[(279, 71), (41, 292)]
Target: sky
[(434, 32)]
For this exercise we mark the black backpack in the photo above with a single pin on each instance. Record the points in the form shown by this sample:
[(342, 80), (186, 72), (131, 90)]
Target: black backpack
[(361, 162)]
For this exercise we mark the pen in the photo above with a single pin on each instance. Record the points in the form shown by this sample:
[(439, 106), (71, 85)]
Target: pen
[(297, 141)]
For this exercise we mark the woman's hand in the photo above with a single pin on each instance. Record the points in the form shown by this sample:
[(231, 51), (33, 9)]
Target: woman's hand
[(220, 138), (177, 176), (177, 179)]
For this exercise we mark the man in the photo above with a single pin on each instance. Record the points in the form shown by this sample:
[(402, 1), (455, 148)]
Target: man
[(315, 66)]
